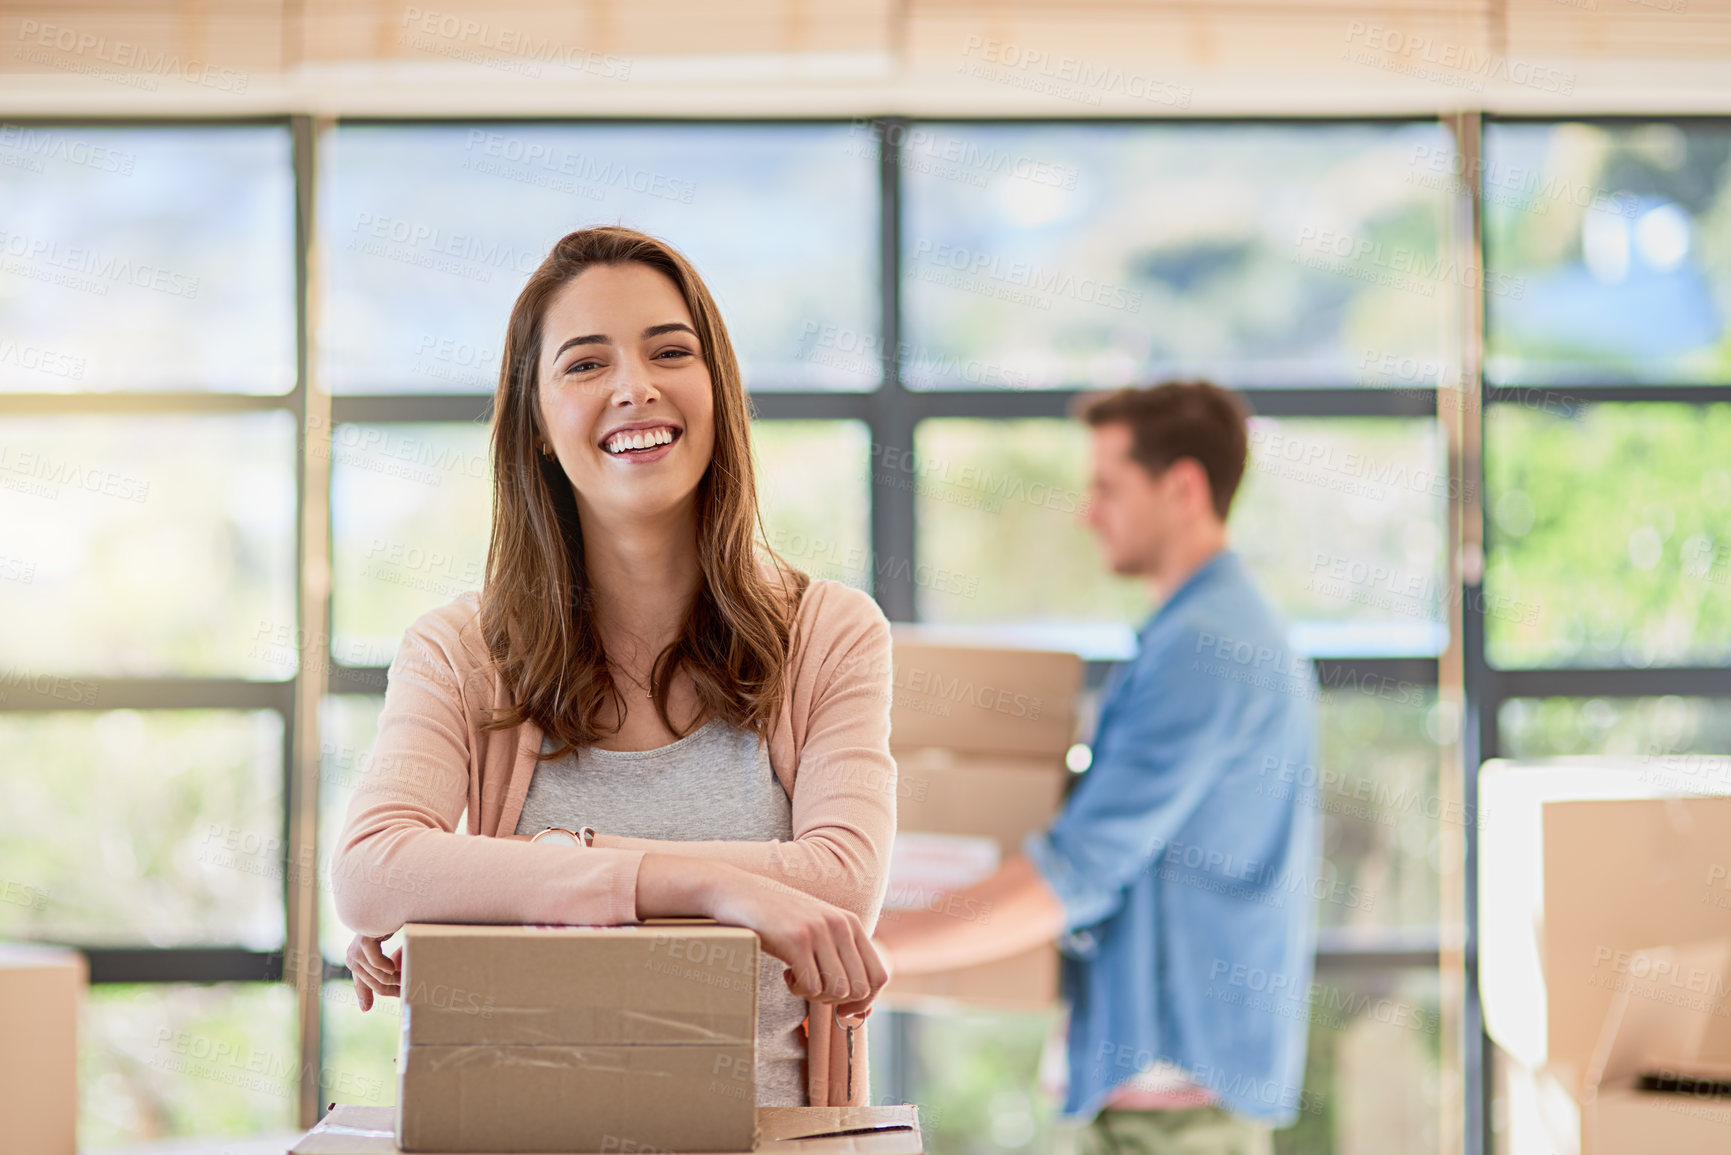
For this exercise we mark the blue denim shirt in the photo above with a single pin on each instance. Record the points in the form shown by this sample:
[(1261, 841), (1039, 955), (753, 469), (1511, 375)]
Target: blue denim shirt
[(1187, 861)]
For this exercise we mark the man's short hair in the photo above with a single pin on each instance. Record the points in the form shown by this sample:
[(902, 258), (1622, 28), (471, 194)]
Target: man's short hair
[(1195, 419)]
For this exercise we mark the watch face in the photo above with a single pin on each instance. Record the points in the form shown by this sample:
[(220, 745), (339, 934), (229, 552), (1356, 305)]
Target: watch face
[(556, 837)]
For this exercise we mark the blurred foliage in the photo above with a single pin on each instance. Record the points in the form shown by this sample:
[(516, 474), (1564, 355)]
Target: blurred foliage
[(1101, 255), (1625, 727), (1616, 529), (142, 828), (1340, 520), (160, 1060), (151, 545), (411, 506)]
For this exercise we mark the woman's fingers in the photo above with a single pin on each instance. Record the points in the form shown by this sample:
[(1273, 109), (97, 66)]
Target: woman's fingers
[(370, 966), (854, 948), (363, 994), (806, 978), (373, 949), (833, 972), (876, 967)]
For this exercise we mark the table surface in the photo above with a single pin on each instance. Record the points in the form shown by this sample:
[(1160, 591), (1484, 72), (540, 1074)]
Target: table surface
[(364, 1130)]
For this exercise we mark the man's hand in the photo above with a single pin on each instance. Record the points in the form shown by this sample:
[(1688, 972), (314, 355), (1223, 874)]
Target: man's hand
[(1005, 914), (375, 972)]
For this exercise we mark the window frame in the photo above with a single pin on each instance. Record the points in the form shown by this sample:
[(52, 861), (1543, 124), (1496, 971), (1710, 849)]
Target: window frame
[(892, 413)]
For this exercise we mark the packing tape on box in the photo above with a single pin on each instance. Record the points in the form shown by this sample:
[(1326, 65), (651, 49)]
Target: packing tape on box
[(480, 1056), (527, 1026)]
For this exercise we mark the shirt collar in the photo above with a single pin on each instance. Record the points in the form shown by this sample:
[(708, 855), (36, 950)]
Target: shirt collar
[(1212, 572)]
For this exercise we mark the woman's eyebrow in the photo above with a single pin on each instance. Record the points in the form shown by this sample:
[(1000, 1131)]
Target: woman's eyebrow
[(604, 339)]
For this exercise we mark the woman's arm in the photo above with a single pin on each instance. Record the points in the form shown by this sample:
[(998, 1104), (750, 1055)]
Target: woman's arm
[(399, 858), (844, 796)]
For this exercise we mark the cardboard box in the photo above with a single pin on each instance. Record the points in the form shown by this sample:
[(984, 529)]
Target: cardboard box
[(1592, 869), (979, 736), (572, 1038), (41, 991), (361, 1130)]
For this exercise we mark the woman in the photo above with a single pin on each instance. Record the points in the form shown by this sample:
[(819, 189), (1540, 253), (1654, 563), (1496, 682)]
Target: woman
[(643, 712)]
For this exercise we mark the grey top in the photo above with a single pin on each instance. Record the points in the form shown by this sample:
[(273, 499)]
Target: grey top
[(714, 783)]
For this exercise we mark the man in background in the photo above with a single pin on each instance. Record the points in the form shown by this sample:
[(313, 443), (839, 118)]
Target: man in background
[(1178, 885)]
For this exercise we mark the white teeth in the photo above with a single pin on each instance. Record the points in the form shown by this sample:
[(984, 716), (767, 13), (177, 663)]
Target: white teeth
[(622, 442)]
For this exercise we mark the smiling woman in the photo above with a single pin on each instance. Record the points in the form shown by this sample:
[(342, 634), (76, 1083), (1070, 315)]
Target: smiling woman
[(629, 604)]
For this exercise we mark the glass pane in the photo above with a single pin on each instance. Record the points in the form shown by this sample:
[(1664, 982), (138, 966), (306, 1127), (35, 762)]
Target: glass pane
[(148, 546), (1372, 1080), (1682, 741), (147, 258), (1609, 536), (411, 506), (181, 827), (360, 1048), (814, 494), (1339, 518), (159, 1061), (975, 1076), (1382, 814), (348, 727), (988, 1083), (430, 232), (1101, 255), (1614, 237)]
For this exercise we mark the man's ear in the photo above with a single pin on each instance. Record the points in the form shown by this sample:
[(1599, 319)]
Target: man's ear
[(1188, 475)]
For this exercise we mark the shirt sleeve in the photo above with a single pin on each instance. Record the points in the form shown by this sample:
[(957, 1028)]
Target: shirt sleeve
[(1151, 769), (400, 859)]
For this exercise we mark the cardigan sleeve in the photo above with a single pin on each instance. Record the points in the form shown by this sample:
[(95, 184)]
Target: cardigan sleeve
[(400, 859), (844, 787)]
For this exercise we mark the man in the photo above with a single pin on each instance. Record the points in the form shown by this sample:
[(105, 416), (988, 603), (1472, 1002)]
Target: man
[(1178, 877)]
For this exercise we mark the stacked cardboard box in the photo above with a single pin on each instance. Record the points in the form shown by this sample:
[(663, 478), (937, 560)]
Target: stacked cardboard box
[(570, 1038), (41, 988), (979, 736)]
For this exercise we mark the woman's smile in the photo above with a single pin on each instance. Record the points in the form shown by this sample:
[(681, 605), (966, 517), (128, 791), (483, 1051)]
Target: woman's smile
[(641, 442)]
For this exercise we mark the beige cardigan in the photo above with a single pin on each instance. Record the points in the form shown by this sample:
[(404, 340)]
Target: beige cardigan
[(400, 858)]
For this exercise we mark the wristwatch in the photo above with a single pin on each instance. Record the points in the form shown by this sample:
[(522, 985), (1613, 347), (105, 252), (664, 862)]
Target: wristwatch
[(559, 836)]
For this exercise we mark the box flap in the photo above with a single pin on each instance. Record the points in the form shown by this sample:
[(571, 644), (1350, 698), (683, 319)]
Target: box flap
[(1662, 1010), (683, 983)]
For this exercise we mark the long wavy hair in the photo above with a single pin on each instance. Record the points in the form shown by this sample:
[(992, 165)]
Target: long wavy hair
[(537, 607)]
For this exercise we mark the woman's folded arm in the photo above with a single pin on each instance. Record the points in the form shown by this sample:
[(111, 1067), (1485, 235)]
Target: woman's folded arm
[(400, 859)]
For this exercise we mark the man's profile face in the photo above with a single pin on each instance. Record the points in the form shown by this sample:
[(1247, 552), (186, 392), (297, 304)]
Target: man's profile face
[(1131, 512)]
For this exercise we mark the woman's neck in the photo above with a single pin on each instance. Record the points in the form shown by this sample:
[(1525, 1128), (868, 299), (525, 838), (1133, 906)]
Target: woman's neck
[(644, 575)]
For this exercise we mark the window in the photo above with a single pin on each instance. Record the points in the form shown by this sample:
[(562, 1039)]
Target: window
[(911, 394)]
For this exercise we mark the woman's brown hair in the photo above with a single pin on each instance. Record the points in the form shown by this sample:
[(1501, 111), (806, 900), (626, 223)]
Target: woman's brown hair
[(537, 609)]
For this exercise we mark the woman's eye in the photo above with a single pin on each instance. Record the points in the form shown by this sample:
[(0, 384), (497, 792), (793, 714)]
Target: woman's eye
[(580, 366), (675, 352)]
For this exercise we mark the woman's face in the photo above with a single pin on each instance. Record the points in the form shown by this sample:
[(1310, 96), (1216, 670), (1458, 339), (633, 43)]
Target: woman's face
[(621, 367)]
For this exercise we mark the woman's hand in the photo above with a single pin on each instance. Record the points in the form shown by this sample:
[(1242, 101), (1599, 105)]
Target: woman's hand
[(829, 956), (375, 972)]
